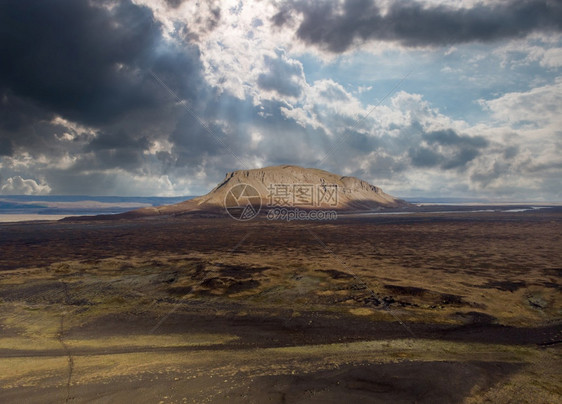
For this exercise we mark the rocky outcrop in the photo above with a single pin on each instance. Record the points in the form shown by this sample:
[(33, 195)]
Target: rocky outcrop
[(289, 186)]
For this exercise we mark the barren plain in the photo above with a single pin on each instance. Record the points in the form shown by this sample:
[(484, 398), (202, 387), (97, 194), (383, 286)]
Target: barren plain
[(450, 308)]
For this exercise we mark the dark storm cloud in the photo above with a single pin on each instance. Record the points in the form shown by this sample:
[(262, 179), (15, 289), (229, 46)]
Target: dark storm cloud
[(174, 3), (447, 149), (193, 143), (382, 166), (65, 56), (23, 123), (450, 138), (26, 127), (89, 62), (6, 147), (91, 183), (460, 158), (511, 152), (424, 157), (15, 112), (85, 62), (410, 146), (110, 141), (485, 176), (114, 150), (415, 24), (283, 76)]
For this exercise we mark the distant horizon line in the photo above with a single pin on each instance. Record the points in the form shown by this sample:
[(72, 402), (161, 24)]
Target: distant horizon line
[(411, 199)]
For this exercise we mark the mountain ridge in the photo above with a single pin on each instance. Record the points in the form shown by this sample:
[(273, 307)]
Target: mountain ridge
[(353, 194)]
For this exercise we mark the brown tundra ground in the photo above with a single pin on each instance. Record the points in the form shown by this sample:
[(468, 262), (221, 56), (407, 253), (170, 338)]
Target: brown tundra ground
[(425, 308)]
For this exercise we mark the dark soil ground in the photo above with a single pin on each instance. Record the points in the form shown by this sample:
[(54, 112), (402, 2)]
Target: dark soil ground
[(448, 307)]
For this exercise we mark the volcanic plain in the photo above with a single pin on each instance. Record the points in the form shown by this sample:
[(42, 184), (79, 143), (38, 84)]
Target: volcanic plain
[(448, 307)]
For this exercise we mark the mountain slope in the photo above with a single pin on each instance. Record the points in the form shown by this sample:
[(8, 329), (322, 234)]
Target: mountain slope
[(287, 186)]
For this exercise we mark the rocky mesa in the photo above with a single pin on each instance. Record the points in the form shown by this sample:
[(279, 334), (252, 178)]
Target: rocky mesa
[(285, 186)]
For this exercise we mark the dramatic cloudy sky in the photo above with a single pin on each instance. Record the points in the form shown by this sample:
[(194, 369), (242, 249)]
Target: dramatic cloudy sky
[(149, 97)]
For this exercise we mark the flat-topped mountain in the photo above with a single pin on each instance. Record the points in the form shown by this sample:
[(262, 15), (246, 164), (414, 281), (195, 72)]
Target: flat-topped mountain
[(286, 186)]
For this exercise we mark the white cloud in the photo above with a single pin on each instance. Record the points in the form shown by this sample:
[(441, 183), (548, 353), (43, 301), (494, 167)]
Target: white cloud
[(552, 58), (540, 107), (19, 186), (237, 44), (72, 130), (546, 50), (328, 105), (255, 139)]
